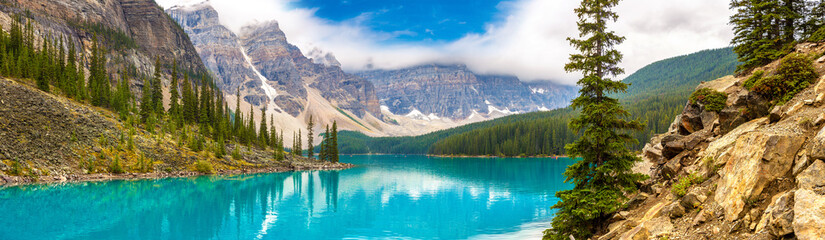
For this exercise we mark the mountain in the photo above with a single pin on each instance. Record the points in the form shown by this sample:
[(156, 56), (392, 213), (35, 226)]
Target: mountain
[(681, 74), (528, 135), (259, 61), (455, 92), (271, 73), (134, 32)]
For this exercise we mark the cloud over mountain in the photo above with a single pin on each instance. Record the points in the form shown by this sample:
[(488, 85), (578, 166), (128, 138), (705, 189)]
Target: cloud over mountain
[(527, 39)]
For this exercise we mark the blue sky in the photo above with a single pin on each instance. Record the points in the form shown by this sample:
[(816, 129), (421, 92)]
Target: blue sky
[(525, 38), (421, 20)]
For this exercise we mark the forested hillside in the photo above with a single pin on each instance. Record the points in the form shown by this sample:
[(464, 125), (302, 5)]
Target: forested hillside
[(358, 143), (658, 92)]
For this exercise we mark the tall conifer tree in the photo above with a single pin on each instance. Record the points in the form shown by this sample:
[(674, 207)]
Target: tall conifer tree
[(157, 94), (603, 175), (174, 95), (310, 138)]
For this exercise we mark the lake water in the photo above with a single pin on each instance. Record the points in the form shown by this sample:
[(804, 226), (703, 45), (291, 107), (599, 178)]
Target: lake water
[(385, 197)]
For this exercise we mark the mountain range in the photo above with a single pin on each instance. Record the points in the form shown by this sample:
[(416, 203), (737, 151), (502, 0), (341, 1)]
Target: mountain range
[(267, 71)]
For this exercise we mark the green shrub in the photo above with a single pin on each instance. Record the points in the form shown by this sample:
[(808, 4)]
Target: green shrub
[(753, 79), (220, 151), (196, 143), (681, 187), (115, 166), (713, 100), (794, 74), (16, 168), (203, 166), (144, 164), (236, 154), (89, 164)]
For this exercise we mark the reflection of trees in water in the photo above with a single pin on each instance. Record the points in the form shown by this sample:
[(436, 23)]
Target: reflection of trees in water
[(200, 208), (302, 205)]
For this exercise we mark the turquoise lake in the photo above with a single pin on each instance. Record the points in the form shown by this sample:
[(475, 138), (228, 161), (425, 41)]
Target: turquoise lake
[(385, 197)]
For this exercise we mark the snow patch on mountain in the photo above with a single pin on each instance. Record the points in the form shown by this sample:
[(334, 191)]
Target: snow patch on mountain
[(538, 90)]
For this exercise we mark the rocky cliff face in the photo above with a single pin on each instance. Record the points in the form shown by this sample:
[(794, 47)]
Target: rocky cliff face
[(455, 92), (745, 172), (264, 48), (135, 32), (221, 52)]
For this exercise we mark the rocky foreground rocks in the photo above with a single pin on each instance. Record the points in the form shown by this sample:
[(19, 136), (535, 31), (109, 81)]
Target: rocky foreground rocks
[(761, 169)]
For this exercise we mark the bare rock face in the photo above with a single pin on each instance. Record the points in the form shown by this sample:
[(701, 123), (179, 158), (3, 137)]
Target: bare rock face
[(264, 47), (809, 215), (816, 149), (778, 217), (283, 63), (455, 92), (150, 34), (756, 159), (219, 49), (813, 177)]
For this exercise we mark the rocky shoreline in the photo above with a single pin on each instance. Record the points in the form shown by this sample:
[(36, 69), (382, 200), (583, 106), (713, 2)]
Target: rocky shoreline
[(8, 181)]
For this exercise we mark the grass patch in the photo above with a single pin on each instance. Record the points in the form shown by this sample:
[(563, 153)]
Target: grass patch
[(202, 166)]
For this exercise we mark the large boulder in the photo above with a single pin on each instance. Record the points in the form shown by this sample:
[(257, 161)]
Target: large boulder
[(812, 177), (691, 120), (756, 158), (672, 145), (816, 149), (778, 217), (692, 200), (809, 215), (653, 153)]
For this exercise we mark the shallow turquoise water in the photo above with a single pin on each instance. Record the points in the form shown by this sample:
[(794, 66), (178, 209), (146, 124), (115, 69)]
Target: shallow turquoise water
[(386, 197)]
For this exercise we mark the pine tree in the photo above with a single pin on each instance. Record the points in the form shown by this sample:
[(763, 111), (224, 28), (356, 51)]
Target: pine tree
[(98, 83), (299, 147), (71, 72), (334, 143), (323, 155), (206, 107), (174, 108), (310, 139), (189, 101), (121, 101), (146, 107), (273, 136), (250, 135), (263, 133), (157, 94), (764, 30), (603, 175), (281, 143), (238, 122)]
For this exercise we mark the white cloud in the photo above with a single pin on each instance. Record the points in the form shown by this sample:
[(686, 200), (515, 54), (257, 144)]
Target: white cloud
[(528, 40)]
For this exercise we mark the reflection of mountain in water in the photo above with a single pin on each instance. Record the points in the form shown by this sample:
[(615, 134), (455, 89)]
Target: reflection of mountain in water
[(389, 197)]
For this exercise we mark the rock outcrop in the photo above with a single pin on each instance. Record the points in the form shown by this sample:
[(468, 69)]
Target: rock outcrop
[(760, 167)]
